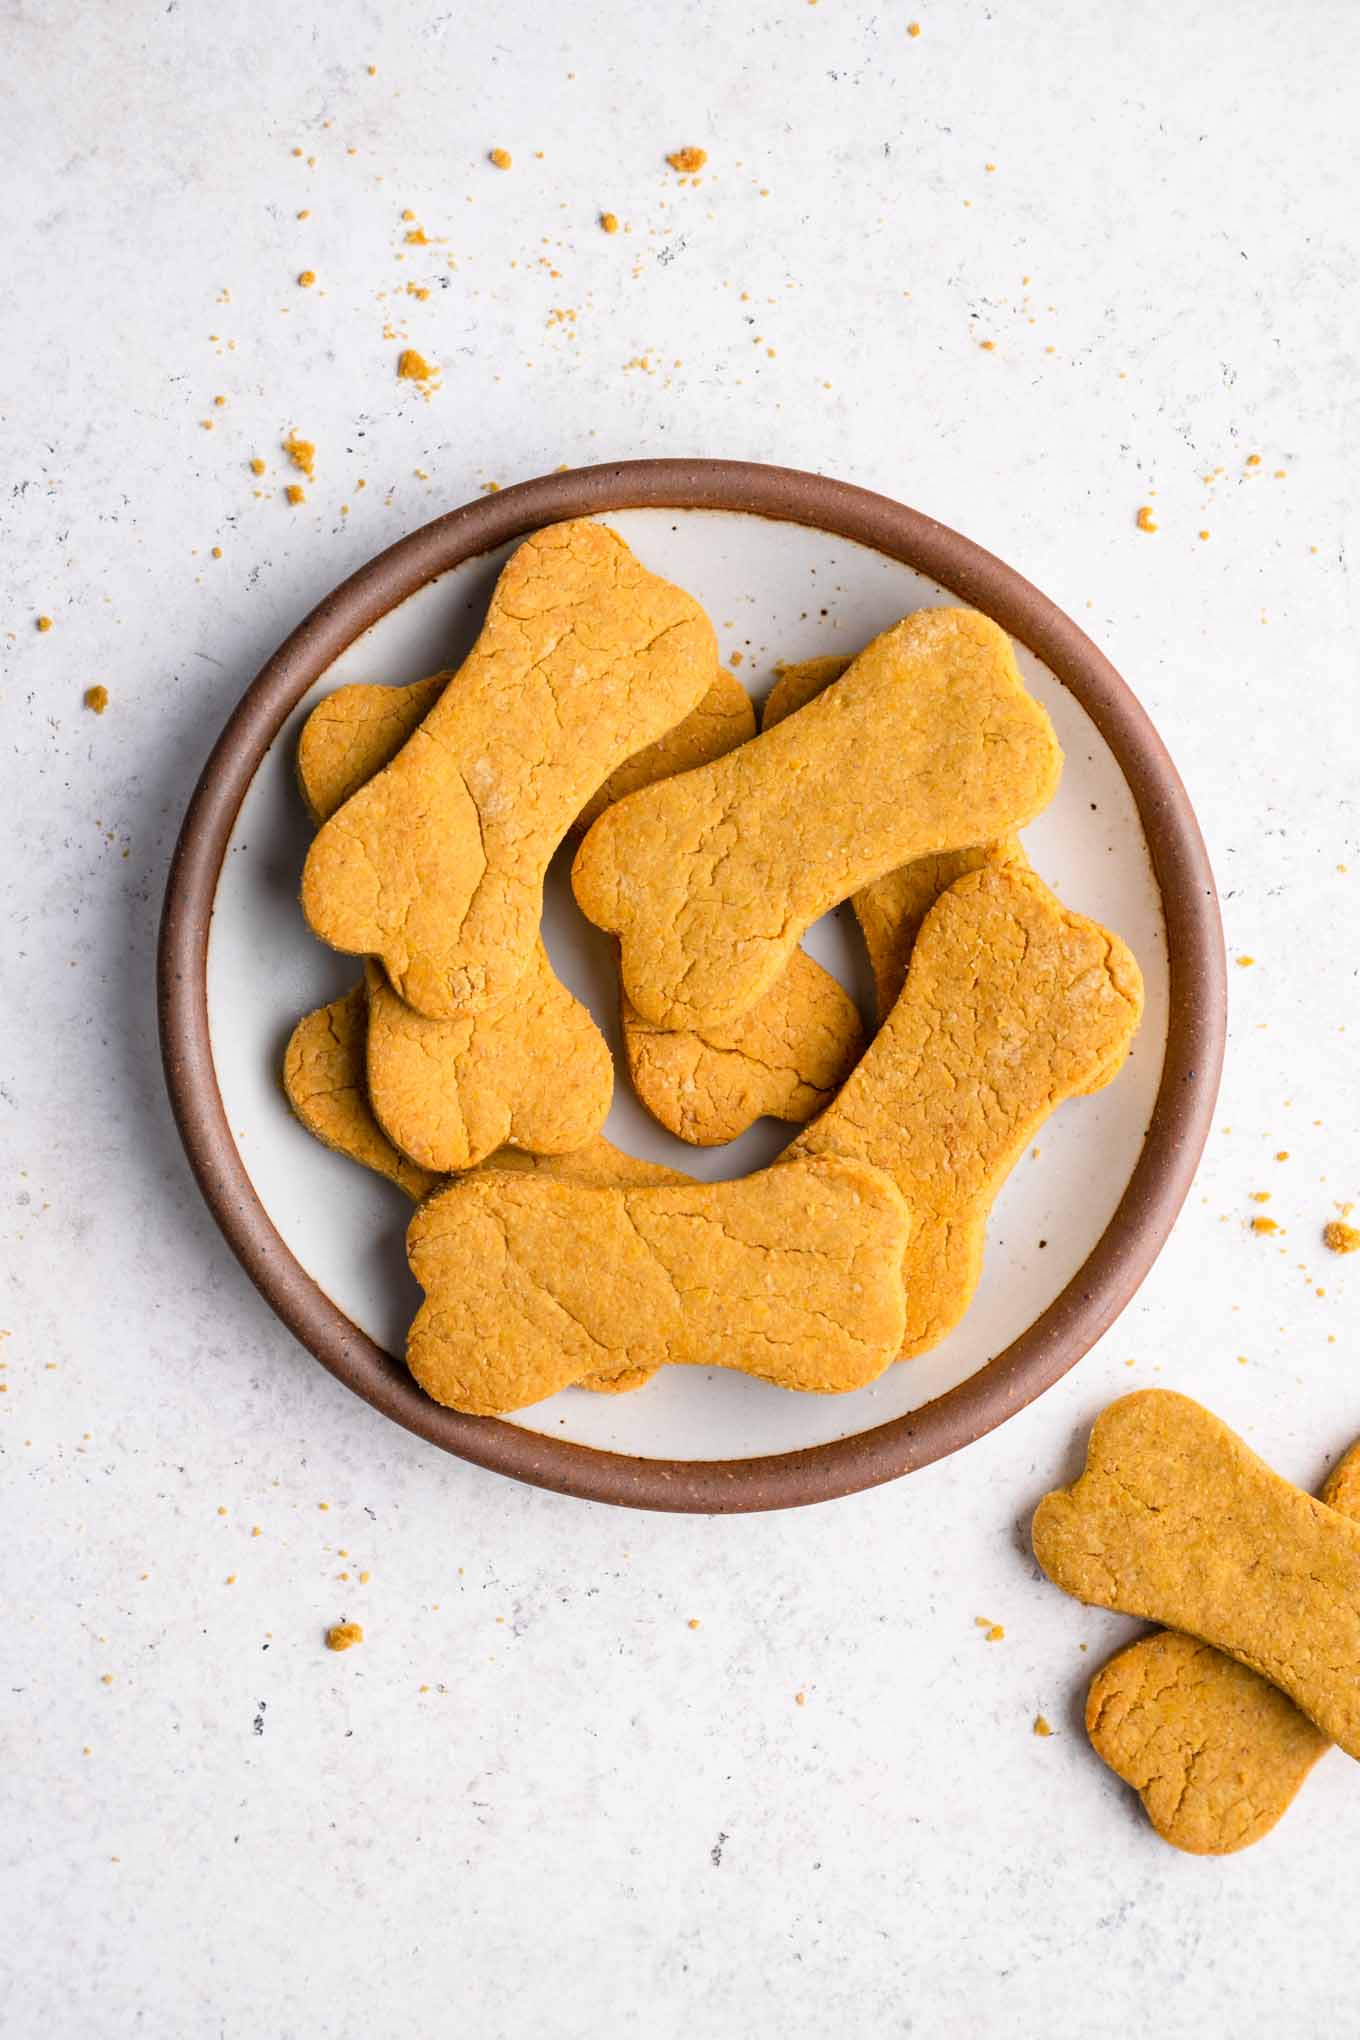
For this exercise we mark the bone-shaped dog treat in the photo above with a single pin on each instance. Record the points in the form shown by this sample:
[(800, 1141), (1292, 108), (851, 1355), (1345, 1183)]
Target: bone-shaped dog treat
[(1215, 1752), (1012, 1004), (533, 1071), (436, 865), (794, 1275), (890, 909), (357, 730), (325, 1084), (786, 1058), (1176, 1520), (928, 744)]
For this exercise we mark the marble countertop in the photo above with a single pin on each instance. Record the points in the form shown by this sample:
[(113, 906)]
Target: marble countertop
[(1030, 269)]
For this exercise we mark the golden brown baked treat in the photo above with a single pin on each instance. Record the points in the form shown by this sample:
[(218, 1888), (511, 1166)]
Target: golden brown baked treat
[(436, 865), (532, 1072), (1214, 1751), (1012, 1004), (354, 732), (786, 1058), (1176, 1520), (890, 909), (793, 1274), (324, 1082), (928, 744)]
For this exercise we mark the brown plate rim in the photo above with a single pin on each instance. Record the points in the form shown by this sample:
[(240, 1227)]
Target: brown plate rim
[(1181, 1116)]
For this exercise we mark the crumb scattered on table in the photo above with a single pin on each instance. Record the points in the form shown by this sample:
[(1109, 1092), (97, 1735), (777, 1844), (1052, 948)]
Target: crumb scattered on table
[(1041, 1726), (500, 157), (1341, 1238), (687, 160), (344, 1635), (1145, 519), (97, 699)]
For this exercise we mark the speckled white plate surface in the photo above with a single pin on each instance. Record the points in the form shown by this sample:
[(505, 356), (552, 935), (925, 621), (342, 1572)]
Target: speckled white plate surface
[(775, 591)]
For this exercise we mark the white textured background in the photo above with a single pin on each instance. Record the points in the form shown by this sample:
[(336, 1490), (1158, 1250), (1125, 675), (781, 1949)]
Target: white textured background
[(597, 1820)]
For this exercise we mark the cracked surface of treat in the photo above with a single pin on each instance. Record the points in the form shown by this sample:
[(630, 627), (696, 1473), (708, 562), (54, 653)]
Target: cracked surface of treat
[(793, 1274), (890, 909), (929, 743), (436, 865), (1176, 1520), (1012, 1004), (324, 1082), (785, 1059), (357, 730), (532, 1072), (1215, 1752)]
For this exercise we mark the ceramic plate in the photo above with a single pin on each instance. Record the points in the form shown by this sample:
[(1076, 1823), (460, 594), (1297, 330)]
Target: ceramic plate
[(787, 566)]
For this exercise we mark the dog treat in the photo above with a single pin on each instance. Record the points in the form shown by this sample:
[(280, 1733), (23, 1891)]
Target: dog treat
[(436, 865), (1012, 1004), (786, 1058), (1214, 1751), (891, 909), (722, 720), (929, 743), (793, 1274), (532, 1072), (1176, 1520), (324, 1082), (354, 732)]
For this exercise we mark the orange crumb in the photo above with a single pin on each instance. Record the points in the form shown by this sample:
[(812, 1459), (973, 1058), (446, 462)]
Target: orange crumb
[(913, 28), (106, 1678), (413, 367), (1279, 474), (734, 658), (306, 213), (255, 1530), (297, 151), (257, 466), (501, 158), (364, 1578), (219, 400), (987, 345), (688, 160), (231, 1579), (1245, 962), (372, 70), (1264, 1225), (1260, 1196), (97, 698), (1342, 1239), (206, 423), (994, 1630), (800, 1699), (417, 237), (344, 1635), (610, 222), (302, 453), (306, 277), (221, 1510), (217, 552), (1282, 1155), (694, 1622), (1253, 460), (1145, 519), (44, 623), (1204, 534), (989, 166), (295, 493), (1041, 1727)]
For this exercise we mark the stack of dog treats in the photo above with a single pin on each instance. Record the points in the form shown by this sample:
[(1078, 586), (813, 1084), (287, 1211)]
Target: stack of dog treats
[(592, 705)]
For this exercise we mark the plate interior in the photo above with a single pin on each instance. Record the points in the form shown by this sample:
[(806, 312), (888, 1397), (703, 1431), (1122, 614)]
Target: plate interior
[(775, 592)]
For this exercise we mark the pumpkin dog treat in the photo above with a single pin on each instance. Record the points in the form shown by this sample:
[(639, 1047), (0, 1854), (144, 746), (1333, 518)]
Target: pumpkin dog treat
[(1176, 1520), (532, 1072), (1215, 1753), (794, 1274), (1012, 1004), (354, 732), (786, 1058), (323, 1080), (436, 865), (929, 743), (890, 909)]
